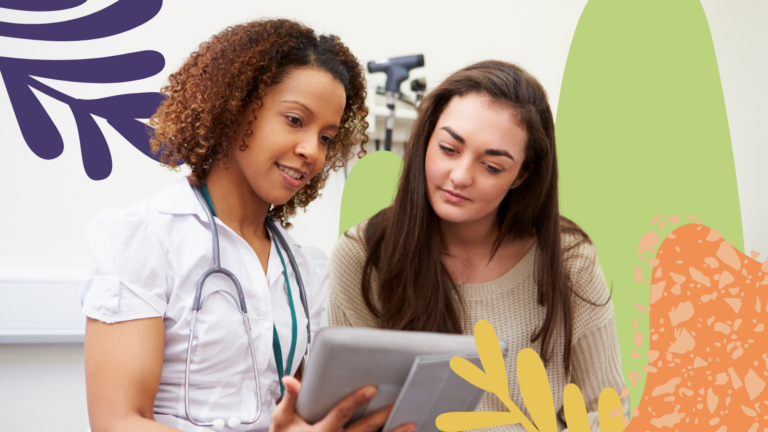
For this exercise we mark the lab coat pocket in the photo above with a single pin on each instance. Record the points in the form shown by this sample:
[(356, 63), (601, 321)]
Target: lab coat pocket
[(100, 297)]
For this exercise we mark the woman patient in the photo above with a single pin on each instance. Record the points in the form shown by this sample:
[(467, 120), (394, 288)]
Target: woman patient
[(475, 233)]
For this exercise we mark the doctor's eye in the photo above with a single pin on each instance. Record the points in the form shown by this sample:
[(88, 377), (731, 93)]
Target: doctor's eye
[(327, 140)]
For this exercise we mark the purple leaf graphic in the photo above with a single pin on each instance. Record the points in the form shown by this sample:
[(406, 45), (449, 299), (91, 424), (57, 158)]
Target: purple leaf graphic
[(115, 69), (120, 111), (97, 159), (35, 124), (40, 5), (136, 132), (130, 106), (114, 19)]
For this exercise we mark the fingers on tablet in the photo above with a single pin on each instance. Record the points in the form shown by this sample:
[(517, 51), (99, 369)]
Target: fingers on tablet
[(371, 423), (291, 393), (342, 412), (408, 427)]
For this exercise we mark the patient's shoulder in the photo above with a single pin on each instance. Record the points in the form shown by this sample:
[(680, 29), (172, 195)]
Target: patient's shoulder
[(353, 240), (348, 259), (346, 304)]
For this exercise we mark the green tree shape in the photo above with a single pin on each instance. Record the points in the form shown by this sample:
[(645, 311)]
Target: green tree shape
[(370, 187), (642, 129)]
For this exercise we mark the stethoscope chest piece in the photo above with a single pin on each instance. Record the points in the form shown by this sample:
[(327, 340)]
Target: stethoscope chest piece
[(233, 422)]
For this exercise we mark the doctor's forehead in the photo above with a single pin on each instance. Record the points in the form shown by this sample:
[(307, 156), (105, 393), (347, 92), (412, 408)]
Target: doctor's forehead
[(312, 89)]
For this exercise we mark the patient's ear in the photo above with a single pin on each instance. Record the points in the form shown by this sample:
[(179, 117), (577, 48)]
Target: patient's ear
[(521, 176)]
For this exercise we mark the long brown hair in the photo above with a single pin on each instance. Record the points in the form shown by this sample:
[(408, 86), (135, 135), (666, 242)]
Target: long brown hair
[(229, 74), (415, 289)]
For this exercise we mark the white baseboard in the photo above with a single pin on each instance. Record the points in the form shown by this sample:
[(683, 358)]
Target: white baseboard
[(41, 306)]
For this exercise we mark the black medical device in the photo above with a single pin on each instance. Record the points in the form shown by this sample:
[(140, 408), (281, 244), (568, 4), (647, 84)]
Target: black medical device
[(419, 86), (397, 71)]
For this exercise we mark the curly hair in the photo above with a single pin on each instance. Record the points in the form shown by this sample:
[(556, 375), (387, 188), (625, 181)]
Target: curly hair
[(232, 71)]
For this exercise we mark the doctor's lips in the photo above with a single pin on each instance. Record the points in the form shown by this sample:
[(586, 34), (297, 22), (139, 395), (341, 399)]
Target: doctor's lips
[(453, 196), (292, 176)]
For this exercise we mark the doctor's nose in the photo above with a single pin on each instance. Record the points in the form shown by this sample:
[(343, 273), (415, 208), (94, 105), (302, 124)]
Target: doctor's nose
[(309, 149)]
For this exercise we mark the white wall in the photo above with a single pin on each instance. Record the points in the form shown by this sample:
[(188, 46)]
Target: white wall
[(42, 388), (59, 200), (48, 204), (740, 35)]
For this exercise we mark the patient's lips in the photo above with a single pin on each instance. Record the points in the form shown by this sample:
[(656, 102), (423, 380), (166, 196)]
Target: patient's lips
[(453, 196)]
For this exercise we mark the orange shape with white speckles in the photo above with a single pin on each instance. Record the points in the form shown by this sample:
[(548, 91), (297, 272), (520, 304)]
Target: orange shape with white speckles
[(715, 360)]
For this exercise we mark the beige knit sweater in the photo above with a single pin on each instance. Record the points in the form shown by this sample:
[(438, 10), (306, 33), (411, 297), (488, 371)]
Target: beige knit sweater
[(509, 304)]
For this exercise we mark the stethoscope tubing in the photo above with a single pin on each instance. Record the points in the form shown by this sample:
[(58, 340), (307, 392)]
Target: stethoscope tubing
[(302, 294), (198, 304)]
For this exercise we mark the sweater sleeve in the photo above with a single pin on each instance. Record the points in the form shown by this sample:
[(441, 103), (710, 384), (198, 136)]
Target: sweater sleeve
[(346, 306), (597, 365), (595, 353), (337, 317)]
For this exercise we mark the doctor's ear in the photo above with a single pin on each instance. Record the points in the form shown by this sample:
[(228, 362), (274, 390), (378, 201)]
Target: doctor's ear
[(211, 162), (521, 176)]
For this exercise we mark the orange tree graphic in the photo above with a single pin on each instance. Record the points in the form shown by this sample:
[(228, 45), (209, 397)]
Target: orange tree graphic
[(707, 362)]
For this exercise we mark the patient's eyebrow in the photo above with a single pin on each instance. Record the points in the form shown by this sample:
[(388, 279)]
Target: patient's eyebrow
[(453, 133), (497, 152)]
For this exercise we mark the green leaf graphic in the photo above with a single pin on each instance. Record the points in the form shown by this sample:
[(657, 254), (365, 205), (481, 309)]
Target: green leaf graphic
[(641, 130), (371, 186)]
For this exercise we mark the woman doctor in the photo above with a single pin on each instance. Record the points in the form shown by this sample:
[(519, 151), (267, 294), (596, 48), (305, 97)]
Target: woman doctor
[(260, 113)]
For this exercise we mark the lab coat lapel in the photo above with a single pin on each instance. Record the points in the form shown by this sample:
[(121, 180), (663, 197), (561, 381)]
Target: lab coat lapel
[(274, 267)]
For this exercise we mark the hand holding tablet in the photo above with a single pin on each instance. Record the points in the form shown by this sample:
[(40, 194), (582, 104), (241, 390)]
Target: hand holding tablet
[(286, 419), (344, 360)]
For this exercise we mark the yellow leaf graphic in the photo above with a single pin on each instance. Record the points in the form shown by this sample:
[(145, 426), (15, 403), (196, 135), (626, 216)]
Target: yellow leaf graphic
[(575, 409), (491, 357), (472, 374), (459, 421), (609, 402), (493, 380), (535, 389)]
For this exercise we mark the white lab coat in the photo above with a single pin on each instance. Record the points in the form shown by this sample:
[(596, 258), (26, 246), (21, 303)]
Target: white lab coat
[(146, 263)]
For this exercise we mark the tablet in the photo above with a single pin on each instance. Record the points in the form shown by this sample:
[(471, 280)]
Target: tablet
[(432, 389), (343, 360)]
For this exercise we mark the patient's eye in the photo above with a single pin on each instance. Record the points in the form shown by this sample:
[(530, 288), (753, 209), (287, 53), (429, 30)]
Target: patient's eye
[(447, 149)]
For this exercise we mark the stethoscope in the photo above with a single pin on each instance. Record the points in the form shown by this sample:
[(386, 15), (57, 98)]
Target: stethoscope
[(218, 424)]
